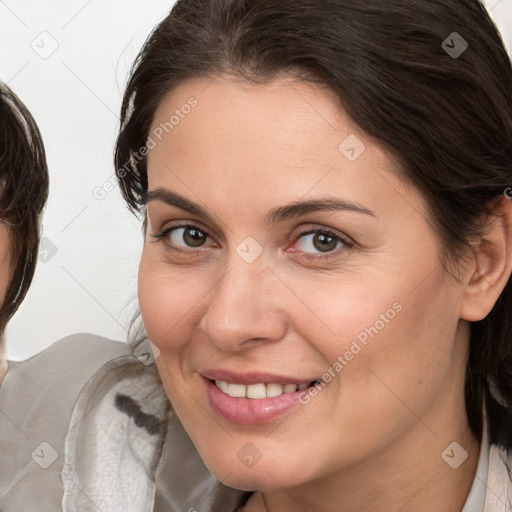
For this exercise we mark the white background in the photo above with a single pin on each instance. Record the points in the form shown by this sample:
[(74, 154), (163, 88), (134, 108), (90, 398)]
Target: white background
[(86, 277)]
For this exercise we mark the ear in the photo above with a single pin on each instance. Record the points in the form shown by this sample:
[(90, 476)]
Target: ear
[(491, 264)]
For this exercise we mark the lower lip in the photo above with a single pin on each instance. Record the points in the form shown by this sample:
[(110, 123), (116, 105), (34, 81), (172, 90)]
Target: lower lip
[(248, 411)]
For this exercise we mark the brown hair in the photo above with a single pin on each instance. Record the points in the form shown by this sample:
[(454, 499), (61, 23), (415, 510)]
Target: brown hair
[(446, 115), (24, 190)]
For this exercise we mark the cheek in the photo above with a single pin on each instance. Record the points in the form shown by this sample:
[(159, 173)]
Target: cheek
[(411, 360), (168, 300), (381, 326), (333, 312)]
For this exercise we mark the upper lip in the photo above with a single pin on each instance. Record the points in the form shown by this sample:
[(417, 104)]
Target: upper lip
[(248, 378)]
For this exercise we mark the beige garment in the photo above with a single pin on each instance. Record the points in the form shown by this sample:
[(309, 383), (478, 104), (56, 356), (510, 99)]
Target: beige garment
[(85, 426)]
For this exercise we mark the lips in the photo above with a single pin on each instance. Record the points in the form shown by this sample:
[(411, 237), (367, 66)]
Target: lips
[(252, 398)]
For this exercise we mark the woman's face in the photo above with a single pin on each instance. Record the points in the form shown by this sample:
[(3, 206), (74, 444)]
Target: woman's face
[(281, 250)]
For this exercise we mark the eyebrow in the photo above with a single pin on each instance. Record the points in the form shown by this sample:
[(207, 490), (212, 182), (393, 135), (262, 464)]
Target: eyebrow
[(275, 215)]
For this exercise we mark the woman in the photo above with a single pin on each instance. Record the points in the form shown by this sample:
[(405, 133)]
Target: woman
[(328, 248), (23, 194)]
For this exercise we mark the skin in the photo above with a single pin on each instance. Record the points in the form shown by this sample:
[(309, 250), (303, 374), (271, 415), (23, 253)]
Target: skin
[(373, 438), (4, 280)]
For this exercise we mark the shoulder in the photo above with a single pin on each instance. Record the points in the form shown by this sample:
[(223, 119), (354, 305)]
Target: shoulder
[(37, 399), (499, 480), (59, 371), (90, 348)]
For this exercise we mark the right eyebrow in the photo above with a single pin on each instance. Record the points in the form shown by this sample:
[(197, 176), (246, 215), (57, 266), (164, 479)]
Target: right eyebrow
[(173, 199)]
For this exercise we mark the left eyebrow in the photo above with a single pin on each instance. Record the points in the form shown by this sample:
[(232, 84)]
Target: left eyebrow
[(304, 207)]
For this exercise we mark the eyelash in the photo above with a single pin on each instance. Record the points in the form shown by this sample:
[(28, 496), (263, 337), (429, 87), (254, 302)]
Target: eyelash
[(313, 256)]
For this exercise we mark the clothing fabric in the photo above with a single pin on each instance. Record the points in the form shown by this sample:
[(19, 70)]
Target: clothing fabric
[(477, 494), (86, 426), (83, 426)]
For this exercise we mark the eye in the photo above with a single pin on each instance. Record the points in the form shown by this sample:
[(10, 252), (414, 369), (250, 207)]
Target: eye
[(319, 241), (187, 236), (183, 238)]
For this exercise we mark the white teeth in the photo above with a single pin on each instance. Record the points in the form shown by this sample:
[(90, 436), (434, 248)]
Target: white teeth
[(274, 390), (290, 388), (258, 391), (224, 386), (237, 390)]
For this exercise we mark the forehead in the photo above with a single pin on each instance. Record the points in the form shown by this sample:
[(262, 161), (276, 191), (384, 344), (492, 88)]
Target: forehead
[(268, 143), (281, 115)]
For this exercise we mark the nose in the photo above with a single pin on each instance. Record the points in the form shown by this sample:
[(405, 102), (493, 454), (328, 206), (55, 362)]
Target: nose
[(244, 308)]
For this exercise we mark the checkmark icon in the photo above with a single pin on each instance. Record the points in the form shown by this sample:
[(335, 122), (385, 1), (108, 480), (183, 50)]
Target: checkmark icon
[(249, 249), (454, 455), (47, 250), (454, 45), (351, 147), (44, 45), (44, 455)]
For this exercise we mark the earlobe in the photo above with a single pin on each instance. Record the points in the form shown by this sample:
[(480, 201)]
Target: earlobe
[(491, 265)]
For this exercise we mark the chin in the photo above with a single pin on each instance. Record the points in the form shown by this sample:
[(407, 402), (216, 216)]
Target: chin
[(251, 475), (252, 480)]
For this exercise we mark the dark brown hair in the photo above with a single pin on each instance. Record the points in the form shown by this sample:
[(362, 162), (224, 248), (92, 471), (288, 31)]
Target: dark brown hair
[(399, 70), (24, 190)]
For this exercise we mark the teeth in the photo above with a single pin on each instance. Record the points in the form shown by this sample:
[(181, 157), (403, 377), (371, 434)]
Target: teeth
[(274, 390), (224, 386), (290, 388), (237, 390), (258, 391)]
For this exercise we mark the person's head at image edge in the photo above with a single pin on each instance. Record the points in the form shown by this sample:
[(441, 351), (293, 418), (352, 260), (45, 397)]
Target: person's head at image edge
[(390, 122), (23, 192)]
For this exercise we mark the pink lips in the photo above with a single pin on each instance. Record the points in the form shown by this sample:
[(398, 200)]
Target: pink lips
[(248, 411)]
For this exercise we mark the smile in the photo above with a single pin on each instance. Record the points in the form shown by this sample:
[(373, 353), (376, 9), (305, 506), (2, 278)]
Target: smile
[(258, 391)]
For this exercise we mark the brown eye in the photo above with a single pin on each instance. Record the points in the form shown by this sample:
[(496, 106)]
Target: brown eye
[(318, 242), (188, 236), (324, 243)]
